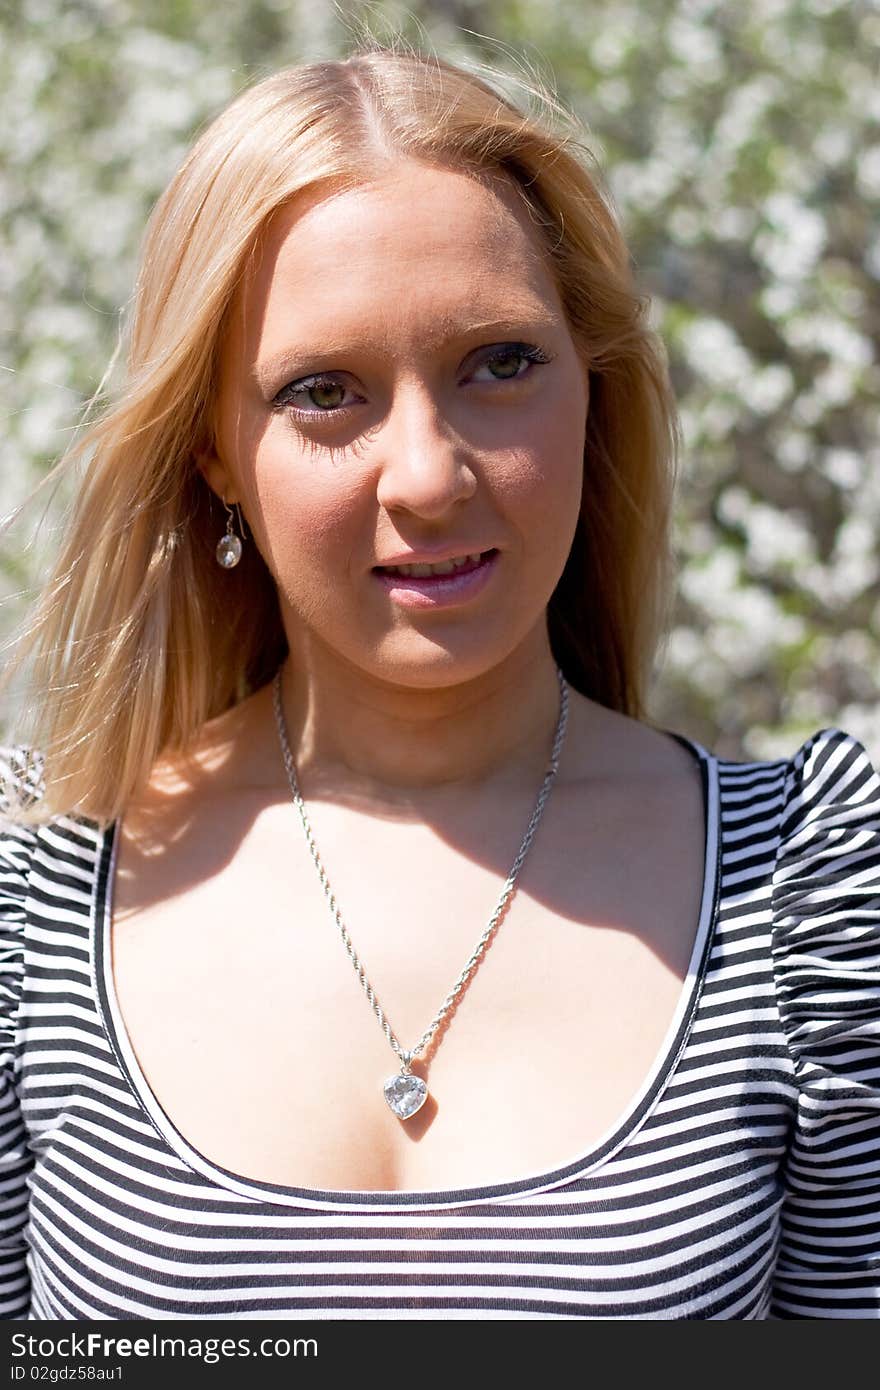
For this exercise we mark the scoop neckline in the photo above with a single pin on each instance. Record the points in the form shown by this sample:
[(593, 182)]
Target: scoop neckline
[(624, 1128)]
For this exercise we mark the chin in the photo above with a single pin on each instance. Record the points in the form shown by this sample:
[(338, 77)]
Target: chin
[(430, 666)]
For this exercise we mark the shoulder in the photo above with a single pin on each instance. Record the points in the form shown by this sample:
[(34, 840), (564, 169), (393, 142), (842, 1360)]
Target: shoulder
[(830, 763), (829, 778), (826, 898), (833, 766), (831, 799), (826, 927), (31, 844), (827, 795), (818, 809), (604, 744), (20, 786), (21, 780)]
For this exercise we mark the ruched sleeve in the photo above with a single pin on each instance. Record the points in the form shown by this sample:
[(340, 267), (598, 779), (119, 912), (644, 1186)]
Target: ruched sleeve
[(826, 915), (16, 847)]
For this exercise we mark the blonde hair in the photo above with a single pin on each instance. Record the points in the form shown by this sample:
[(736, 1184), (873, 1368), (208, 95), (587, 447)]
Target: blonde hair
[(139, 637)]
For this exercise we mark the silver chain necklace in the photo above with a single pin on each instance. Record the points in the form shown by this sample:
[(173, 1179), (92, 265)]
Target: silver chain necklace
[(406, 1092)]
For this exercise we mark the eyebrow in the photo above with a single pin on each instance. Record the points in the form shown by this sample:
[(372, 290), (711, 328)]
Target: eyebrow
[(300, 356)]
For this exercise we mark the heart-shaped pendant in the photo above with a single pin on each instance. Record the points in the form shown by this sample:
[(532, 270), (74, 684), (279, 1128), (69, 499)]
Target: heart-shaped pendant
[(405, 1094)]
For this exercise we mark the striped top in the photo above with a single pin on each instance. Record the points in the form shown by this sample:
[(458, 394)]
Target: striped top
[(743, 1181)]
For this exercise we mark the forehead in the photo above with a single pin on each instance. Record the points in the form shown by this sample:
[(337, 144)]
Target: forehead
[(419, 249)]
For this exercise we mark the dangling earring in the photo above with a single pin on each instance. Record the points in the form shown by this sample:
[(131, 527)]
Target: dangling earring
[(228, 550)]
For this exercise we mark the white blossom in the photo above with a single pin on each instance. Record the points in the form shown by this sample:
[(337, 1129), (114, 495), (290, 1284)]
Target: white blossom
[(792, 241), (715, 353)]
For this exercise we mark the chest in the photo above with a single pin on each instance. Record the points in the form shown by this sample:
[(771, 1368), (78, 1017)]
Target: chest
[(253, 1030)]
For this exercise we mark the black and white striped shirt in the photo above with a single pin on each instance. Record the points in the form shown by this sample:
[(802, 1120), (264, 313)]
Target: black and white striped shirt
[(744, 1181)]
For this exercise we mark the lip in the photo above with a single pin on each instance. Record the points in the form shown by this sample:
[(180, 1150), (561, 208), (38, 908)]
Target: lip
[(439, 590), (433, 557)]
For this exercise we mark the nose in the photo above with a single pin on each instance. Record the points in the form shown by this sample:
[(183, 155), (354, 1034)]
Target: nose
[(424, 467)]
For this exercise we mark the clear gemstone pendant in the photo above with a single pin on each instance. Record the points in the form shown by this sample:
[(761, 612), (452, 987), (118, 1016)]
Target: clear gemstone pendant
[(228, 551), (405, 1094)]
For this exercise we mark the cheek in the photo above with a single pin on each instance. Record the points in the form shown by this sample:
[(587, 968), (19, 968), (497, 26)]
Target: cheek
[(297, 500), (307, 516), (308, 513), (543, 473)]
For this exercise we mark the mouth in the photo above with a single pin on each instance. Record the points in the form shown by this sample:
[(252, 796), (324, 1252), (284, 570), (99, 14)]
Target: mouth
[(449, 583), (462, 564)]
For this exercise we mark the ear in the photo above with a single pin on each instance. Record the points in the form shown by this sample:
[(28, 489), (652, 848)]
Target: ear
[(216, 475)]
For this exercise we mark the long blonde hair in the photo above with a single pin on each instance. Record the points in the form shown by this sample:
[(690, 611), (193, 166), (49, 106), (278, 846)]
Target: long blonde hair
[(134, 644)]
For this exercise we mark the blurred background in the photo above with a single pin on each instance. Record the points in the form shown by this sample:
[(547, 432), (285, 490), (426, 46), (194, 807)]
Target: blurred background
[(741, 143)]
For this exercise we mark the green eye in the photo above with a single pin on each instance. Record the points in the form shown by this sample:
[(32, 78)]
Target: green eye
[(506, 364), (313, 395), (506, 361), (326, 394)]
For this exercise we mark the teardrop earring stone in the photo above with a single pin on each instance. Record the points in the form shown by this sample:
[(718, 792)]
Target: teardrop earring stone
[(228, 551)]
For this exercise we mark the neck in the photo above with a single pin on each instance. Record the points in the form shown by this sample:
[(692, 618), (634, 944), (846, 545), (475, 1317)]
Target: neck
[(388, 740)]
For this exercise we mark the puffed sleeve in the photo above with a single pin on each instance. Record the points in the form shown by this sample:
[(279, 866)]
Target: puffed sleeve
[(826, 914), (16, 846)]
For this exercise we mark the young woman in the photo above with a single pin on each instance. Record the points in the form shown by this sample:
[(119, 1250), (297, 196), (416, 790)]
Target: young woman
[(368, 952)]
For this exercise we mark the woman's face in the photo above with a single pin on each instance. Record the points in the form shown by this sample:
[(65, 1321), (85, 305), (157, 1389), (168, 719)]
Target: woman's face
[(399, 380)]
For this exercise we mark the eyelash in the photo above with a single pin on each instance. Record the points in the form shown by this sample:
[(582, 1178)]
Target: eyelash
[(535, 356)]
